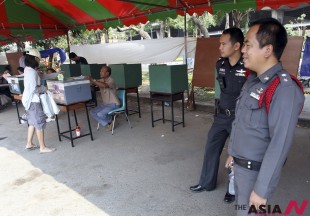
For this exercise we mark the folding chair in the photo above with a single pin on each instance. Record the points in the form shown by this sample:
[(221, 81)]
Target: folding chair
[(121, 94)]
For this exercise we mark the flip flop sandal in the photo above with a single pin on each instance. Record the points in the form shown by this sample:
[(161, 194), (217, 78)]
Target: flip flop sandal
[(32, 148)]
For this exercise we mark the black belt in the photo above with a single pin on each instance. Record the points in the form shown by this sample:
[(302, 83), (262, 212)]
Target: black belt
[(227, 112), (248, 164)]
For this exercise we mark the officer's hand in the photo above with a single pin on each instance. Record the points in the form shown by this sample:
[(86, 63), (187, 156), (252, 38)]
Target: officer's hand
[(257, 200), (229, 162)]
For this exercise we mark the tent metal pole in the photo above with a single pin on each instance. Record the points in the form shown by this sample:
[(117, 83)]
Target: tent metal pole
[(185, 37), (68, 43)]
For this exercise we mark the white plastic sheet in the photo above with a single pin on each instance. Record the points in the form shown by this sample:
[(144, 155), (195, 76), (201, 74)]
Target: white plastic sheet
[(142, 51)]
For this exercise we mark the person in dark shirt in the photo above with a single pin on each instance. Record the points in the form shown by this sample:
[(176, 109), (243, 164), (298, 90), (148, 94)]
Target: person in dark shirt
[(77, 59), (231, 76)]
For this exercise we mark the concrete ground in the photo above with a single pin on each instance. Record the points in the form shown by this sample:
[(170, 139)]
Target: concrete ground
[(135, 172)]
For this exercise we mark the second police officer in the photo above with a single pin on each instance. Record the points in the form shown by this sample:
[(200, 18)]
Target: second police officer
[(231, 76)]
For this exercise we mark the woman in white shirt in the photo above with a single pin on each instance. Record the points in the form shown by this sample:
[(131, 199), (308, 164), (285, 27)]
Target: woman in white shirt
[(31, 101)]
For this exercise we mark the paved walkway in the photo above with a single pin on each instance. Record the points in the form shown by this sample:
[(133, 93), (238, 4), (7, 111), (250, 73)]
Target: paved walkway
[(135, 172)]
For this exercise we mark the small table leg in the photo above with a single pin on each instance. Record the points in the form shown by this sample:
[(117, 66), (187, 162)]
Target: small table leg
[(138, 100), (91, 133), (163, 110), (57, 124), (172, 113), (183, 110), (76, 122), (70, 130), (17, 110), (152, 112)]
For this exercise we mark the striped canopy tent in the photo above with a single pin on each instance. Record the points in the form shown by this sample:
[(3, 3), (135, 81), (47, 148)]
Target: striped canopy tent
[(22, 20)]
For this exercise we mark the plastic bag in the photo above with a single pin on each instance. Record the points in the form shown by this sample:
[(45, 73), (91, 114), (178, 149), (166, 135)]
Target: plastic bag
[(49, 106)]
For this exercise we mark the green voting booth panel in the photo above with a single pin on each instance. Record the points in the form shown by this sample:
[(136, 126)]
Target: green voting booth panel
[(2, 67), (168, 78), (92, 70), (127, 75), (71, 70)]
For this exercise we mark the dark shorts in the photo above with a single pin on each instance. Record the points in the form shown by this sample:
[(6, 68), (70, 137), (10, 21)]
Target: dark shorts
[(36, 116)]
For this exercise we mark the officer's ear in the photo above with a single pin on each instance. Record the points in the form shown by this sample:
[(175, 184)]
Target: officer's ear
[(268, 50), (237, 46)]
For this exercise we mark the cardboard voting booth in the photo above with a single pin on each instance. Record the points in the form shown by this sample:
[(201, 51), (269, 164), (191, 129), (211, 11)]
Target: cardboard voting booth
[(71, 70), (92, 70), (126, 75), (168, 78)]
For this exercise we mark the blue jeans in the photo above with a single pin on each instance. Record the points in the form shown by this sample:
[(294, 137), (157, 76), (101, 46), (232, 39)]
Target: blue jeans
[(100, 113)]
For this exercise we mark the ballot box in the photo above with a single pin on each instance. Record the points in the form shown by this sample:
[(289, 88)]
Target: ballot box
[(70, 91), (16, 84)]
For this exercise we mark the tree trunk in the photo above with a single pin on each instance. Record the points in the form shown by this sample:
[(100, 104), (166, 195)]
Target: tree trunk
[(227, 21), (168, 32), (161, 29), (20, 46), (98, 36), (106, 36), (201, 27), (236, 16), (140, 31)]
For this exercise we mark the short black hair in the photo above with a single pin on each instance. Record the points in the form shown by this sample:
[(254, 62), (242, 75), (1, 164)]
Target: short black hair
[(30, 61), (20, 69), (7, 67), (72, 55), (271, 32), (236, 35)]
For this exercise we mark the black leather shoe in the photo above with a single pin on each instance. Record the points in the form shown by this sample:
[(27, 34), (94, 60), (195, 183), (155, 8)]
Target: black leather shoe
[(229, 198), (197, 188)]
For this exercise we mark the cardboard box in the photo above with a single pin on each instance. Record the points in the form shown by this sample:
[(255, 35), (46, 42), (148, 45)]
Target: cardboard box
[(71, 70), (16, 84), (70, 91), (92, 70), (127, 75), (168, 78)]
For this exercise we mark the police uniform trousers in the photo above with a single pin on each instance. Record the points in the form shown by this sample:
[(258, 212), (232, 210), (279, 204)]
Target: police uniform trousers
[(244, 183), (217, 136)]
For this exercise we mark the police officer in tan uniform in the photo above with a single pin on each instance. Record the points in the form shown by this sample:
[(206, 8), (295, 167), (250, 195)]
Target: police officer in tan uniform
[(263, 130)]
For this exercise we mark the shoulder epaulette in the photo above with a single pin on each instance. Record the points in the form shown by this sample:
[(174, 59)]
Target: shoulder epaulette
[(267, 95)]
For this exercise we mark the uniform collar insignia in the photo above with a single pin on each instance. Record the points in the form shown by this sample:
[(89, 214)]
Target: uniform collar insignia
[(259, 91), (240, 72), (266, 78)]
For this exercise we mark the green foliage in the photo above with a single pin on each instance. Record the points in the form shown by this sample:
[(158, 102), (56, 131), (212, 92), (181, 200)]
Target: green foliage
[(293, 29)]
